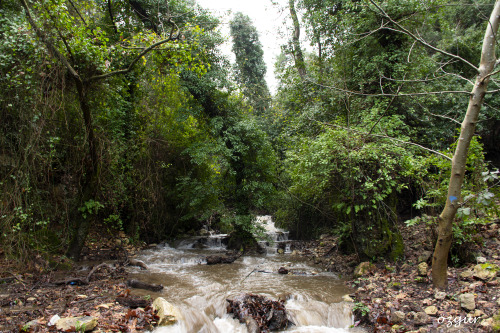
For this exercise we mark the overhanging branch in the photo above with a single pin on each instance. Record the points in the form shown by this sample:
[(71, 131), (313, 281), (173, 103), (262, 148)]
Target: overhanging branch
[(420, 40)]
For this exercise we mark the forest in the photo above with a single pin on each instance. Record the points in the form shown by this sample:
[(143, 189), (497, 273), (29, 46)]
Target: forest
[(124, 116)]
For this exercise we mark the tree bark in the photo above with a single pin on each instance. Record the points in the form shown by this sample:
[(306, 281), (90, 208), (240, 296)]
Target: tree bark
[(459, 161), (297, 51)]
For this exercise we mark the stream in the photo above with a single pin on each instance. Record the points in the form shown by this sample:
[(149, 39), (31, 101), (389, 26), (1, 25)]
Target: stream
[(314, 298)]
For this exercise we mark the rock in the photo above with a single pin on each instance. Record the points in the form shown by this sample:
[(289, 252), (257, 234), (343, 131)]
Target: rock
[(31, 299), (487, 323), (466, 274), (467, 301), (421, 318), (397, 317), (132, 283), (347, 298), (30, 326), (478, 313), (282, 270), (252, 325), (485, 272), (424, 256), (53, 320), (422, 269), (269, 315), (481, 260), (431, 310), (79, 324), (440, 295), (214, 259), (281, 251), (168, 313), (363, 269)]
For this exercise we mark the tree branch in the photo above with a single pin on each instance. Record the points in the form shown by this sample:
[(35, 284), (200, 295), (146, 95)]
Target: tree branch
[(352, 92), (419, 39), (132, 64), (49, 44), (389, 137)]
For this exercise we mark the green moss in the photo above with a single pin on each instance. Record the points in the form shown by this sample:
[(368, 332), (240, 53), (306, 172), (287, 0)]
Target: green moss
[(496, 322), (490, 267)]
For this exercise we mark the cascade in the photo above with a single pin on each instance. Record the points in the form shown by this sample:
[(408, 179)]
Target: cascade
[(199, 291)]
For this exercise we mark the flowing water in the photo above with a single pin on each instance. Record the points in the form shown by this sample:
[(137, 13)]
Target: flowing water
[(314, 298)]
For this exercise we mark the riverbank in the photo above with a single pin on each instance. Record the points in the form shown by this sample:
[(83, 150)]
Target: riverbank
[(399, 297), (388, 297)]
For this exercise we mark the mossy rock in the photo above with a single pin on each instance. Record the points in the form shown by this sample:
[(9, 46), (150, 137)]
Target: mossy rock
[(496, 322), (363, 269)]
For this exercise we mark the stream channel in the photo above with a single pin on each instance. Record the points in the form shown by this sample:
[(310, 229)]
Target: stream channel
[(314, 298)]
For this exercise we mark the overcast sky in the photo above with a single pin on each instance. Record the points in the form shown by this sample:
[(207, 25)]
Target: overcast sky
[(266, 17)]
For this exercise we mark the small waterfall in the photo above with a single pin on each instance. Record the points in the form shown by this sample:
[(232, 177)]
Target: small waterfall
[(277, 238), (199, 291)]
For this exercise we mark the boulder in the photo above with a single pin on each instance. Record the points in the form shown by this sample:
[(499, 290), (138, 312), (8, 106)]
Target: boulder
[(422, 269), (363, 269), (167, 312), (269, 315), (467, 301), (79, 324), (485, 272)]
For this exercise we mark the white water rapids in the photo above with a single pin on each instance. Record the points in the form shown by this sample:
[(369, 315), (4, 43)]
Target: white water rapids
[(314, 298)]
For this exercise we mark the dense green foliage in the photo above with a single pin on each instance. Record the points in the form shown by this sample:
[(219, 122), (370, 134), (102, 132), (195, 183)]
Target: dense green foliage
[(354, 129), (250, 68), (101, 131)]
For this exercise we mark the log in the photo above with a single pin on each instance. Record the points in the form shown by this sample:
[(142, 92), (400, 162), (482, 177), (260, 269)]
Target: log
[(143, 285), (133, 302)]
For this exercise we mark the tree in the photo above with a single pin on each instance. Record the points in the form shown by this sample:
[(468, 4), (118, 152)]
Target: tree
[(250, 66), (82, 49), (395, 72), (458, 165)]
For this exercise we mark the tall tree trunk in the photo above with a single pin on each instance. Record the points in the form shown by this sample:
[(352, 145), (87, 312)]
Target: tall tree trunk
[(89, 186), (487, 65), (297, 51)]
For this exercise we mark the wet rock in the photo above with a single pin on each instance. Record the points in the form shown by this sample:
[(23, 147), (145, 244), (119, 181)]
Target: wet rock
[(282, 270), (168, 313), (485, 272), (467, 301), (252, 326), (143, 285), (268, 314), (397, 317), (214, 259), (431, 310), (422, 269), (421, 318), (79, 324), (347, 298), (363, 269)]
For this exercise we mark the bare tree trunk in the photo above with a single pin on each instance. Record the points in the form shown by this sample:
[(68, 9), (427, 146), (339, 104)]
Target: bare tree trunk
[(487, 65), (297, 51)]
